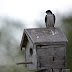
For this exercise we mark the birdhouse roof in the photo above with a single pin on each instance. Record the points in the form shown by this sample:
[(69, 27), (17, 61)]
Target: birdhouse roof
[(39, 35)]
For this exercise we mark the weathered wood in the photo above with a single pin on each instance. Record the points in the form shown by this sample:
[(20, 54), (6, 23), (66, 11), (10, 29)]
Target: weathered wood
[(65, 70), (55, 70), (43, 49), (51, 57), (24, 63), (45, 70), (38, 35), (30, 57)]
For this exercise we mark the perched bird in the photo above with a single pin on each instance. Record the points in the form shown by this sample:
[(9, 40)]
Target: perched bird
[(49, 19)]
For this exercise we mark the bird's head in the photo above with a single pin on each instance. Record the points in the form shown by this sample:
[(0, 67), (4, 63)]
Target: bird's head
[(49, 11)]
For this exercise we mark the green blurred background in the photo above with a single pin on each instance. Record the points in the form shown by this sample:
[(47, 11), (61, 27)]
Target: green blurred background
[(10, 52)]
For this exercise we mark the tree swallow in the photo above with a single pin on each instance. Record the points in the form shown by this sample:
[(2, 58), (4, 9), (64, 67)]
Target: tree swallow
[(49, 19)]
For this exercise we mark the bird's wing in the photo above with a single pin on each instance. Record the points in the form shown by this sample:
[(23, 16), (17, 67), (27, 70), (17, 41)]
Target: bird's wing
[(54, 18), (46, 18)]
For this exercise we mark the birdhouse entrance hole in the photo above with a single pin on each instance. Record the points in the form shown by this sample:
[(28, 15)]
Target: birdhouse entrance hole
[(31, 51)]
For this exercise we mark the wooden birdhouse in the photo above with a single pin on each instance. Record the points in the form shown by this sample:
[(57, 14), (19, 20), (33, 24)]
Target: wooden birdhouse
[(44, 49)]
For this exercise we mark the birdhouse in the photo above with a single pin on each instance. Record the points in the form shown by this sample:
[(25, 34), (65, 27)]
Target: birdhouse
[(44, 49)]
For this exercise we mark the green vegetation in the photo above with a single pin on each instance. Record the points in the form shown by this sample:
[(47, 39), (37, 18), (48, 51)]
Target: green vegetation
[(10, 53), (67, 28)]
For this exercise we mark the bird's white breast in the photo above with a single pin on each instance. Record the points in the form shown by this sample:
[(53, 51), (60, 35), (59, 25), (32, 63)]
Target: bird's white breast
[(50, 20)]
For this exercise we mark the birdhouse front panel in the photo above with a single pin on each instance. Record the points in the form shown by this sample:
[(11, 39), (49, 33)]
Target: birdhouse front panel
[(30, 55), (51, 56)]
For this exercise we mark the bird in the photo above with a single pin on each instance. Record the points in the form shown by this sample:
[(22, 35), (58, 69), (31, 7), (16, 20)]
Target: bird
[(49, 19)]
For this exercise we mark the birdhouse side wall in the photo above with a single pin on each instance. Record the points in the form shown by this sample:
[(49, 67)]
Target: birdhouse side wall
[(51, 56)]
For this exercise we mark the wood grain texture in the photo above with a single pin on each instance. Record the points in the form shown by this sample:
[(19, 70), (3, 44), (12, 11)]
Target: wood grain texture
[(51, 57), (65, 70), (43, 49)]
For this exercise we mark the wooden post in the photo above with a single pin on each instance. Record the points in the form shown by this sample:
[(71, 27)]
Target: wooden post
[(46, 70), (65, 70), (55, 70)]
